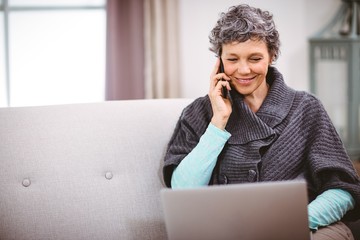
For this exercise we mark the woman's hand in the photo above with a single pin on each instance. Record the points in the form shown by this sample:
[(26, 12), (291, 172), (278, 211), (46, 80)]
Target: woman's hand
[(221, 106)]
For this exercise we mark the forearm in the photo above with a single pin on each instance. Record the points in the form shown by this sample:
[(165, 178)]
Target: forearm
[(329, 207), (196, 168)]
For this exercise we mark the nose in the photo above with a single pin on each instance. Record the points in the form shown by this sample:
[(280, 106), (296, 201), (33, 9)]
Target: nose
[(243, 68)]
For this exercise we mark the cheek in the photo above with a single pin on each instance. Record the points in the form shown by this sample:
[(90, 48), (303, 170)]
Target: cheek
[(260, 68), (230, 69)]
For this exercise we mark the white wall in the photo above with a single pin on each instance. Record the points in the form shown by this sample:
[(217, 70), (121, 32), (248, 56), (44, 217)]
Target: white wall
[(296, 22)]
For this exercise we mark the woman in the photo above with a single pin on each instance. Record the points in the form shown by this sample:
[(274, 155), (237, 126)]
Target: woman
[(264, 130)]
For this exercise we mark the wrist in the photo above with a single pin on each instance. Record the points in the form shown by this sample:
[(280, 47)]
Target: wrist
[(219, 122)]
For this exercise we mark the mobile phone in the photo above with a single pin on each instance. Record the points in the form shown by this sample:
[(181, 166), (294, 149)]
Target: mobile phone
[(224, 90)]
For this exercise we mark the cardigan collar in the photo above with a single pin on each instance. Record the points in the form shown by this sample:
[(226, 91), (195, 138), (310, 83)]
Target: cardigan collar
[(246, 126)]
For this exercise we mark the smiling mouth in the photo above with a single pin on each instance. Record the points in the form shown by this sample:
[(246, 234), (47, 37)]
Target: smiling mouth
[(245, 80)]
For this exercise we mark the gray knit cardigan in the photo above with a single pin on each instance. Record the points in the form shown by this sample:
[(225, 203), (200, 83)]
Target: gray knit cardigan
[(289, 137)]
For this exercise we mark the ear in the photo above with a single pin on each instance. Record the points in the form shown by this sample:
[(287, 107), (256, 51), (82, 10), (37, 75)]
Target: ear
[(272, 60)]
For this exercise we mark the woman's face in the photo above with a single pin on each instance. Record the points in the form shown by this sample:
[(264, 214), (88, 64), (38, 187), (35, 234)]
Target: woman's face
[(246, 63)]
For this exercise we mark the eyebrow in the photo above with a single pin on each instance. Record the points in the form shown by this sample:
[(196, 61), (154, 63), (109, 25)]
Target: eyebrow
[(251, 54)]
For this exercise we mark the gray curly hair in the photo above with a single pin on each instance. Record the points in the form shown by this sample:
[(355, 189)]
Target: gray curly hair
[(242, 23)]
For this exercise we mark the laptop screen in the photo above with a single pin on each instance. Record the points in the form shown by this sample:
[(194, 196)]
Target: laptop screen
[(267, 210)]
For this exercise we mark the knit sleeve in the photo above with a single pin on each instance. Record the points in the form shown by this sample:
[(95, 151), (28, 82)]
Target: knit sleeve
[(329, 165), (191, 125)]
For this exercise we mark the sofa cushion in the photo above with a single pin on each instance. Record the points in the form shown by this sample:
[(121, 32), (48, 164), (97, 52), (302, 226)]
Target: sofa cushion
[(84, 171)]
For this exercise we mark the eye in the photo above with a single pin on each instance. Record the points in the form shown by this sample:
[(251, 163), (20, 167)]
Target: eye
[(255, 59), (232, 59)]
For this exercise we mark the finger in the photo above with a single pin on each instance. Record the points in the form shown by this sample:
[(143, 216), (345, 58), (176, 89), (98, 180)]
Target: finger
[(225, 89), (225, 83), (216, 68), (216, 79), (228, 85), (222, 78), (220, 84), (213, 78)]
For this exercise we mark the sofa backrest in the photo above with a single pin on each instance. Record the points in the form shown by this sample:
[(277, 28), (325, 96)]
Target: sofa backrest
[(85, 171)]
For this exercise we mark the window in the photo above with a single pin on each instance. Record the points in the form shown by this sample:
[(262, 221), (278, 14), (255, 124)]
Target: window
[(55, 52), (3, 87)]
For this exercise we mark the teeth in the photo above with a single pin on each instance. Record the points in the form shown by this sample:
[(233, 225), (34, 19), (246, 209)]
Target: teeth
[(245, 79)]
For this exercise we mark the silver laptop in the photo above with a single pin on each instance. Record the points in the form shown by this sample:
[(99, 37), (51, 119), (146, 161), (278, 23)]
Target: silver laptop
[(251, 211)]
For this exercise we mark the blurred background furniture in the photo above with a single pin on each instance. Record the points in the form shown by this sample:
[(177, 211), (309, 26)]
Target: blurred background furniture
[(335, 72)]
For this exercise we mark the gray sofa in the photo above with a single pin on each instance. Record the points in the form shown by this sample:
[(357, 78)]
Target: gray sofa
[(84, 171)]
